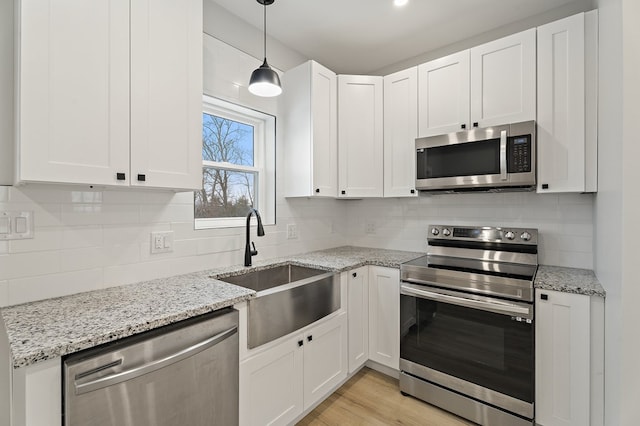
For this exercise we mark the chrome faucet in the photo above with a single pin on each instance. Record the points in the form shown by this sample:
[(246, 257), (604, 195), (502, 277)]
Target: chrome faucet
[(248, 252)]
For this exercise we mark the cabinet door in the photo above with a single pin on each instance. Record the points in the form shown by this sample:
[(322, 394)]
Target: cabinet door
[(310, 131), (561, 106), (360, 136), (325, 358), (384, 316), (271, 385), (166, 94), (443, 97), (73, 91), (358, 312), (400, 132), (324, 106), (562, 358), (503, 80)]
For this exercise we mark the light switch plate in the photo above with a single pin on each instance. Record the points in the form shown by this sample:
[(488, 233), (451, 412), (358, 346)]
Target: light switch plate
[(16, 225)]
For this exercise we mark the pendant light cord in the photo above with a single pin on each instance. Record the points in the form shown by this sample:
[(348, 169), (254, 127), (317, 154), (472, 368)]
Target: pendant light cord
[(265, 30)]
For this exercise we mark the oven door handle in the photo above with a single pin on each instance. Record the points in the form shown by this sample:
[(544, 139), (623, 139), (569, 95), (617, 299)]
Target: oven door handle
[(503, 155), (498, 307)]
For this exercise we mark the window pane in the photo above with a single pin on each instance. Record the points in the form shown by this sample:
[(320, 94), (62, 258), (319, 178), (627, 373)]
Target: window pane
[(225, 193), (226, 140)]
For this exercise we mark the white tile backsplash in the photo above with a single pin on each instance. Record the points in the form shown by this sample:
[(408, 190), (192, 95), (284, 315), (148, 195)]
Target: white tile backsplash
[(4, 293), (564, 221), (90, 239), (28, 289)]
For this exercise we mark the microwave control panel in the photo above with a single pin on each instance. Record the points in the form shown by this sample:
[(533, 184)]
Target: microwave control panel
[(519, 154)]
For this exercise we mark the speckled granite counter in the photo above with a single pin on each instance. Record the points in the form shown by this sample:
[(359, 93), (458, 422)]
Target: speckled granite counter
[(568, 280), (54, 327), (336, 259)]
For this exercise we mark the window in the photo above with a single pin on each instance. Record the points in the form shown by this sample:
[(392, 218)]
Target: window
[(238, 165)]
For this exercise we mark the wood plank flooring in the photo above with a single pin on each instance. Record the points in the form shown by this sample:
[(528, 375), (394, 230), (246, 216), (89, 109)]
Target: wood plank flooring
[(372, 398)]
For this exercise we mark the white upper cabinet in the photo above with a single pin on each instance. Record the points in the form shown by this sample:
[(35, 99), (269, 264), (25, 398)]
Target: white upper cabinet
[(166, 93), (360, 136), (114, 91), (503, 80), (310, 132), (567, 98), (443, 101), (73, 91), (400, 132)]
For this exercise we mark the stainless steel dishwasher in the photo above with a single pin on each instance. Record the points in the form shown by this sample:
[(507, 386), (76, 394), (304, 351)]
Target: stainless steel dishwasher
[(182, 374)]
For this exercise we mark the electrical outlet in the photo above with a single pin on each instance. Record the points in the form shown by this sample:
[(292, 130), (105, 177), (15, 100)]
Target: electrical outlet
[(292, 231), (369, 228), (161, 242)]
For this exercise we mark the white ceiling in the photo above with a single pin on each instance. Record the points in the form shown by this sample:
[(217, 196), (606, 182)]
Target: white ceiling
[(363, 36)]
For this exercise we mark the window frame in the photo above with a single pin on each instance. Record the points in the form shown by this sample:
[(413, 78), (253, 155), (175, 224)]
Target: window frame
[(264, 173)]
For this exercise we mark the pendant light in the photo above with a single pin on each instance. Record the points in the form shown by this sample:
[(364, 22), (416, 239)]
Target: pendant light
[(264, 80)]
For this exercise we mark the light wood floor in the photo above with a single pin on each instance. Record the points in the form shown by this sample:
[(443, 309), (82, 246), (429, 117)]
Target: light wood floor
[(372, 398)]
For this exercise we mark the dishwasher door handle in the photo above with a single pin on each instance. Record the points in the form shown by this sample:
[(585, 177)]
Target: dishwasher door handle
[(154, 365)]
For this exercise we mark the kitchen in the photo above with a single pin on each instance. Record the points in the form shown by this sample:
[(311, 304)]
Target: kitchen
[(89, 239)]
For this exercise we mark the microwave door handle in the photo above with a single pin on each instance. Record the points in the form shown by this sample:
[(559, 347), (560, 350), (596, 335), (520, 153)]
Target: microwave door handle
[(503, 155), (502, 308)]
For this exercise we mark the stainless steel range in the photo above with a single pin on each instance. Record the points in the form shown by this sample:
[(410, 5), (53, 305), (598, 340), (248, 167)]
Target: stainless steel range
[(466, 323)]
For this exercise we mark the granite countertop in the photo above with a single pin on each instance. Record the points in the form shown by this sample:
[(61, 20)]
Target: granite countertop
[(51, 328), (568, 280)]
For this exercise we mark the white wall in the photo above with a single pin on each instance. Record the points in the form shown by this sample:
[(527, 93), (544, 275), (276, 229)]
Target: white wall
[(608, 202), (89, 239), (229, 28), (617, 206), (6, 92), (630, 314), (565, 221), (568, 9)]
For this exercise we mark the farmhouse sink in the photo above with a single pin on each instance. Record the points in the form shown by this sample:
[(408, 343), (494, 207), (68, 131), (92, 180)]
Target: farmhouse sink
[(265, 279), (288, 298)]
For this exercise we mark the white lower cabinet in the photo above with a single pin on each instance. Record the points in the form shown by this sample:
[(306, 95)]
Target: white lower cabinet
[(279, 383), (569, 359), (384, 316), (358, 309)]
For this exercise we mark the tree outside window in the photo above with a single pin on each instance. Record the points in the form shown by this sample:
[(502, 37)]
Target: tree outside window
[(238, 165), (227, 190)]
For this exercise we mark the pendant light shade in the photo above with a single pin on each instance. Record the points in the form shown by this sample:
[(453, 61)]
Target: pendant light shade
[(264, 80)]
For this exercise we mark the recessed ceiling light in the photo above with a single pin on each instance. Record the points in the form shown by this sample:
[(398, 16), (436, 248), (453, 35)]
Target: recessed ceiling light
[(400, 2)]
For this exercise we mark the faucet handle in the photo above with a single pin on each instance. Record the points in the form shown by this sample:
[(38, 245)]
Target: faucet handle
[(254, 251)]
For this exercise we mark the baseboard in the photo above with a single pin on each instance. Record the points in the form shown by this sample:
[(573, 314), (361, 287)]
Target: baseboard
[(391, 372)]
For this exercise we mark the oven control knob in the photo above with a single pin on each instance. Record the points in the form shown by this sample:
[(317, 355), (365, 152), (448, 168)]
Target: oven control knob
[(446, 232), (509, 235), (435, 231), (525, 236)]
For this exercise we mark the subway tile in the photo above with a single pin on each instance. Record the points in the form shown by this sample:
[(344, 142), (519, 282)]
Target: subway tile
[(97, 214), (121, 254), (19, 265), (30, 289), (129, 234), (43, 239), (4, 293), (81, 258), (82, 236), (217, 245), (157, 213)]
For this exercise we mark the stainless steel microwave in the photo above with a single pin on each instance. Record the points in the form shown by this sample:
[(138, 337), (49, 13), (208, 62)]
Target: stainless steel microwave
[(490, 158)]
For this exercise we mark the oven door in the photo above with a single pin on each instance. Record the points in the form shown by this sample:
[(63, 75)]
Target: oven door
[(478, 346)]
